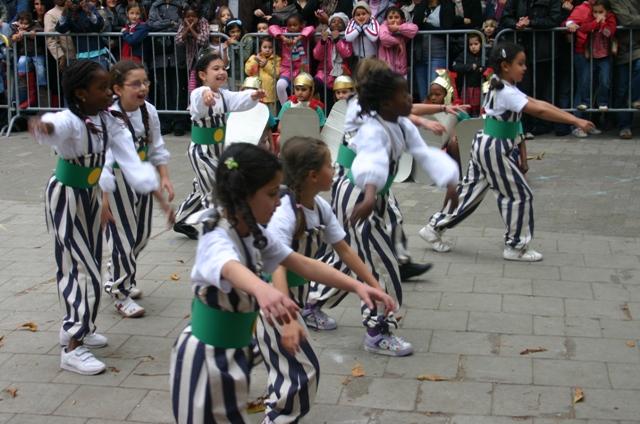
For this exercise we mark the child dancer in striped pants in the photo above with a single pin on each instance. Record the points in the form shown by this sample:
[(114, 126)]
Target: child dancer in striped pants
[(303, 221), (209, 362), (129, 213), (492, 166), (80, 136), (210, 104)]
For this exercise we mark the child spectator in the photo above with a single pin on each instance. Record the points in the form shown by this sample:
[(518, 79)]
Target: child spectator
[(303, 97), (266, 66), (83, 19), (489, 29), (216, 46), (223, 15), (29, 51), (282, 10), (293, 51), (263, 26), (343, 87), (236, 42), (194, 31), (468, 65), (134, 34), (332, 53), (363, 32), (394, 34)]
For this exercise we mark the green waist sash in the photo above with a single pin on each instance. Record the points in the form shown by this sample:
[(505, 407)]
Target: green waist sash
[(142, 152), (295, 280), (223, 329), (346, 156), (201, 135), (77, 176), (501, 129)]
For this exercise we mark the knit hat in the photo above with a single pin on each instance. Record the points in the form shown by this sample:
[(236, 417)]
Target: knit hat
[(343, 81), (361, 5), (340, 15), (444, 80)]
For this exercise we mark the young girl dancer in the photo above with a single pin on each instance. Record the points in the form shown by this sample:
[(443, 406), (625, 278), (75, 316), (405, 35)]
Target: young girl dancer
[(303, 221), (492, 166), (128, 213), (361, 199), (80, 136), (209, 365), (210, 104)]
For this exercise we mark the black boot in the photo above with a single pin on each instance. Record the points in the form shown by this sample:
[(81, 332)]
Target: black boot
[(187, 230), (412, 270)]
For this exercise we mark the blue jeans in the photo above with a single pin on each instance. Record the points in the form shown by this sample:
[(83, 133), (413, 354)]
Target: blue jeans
[(41, 70), (581, 66), (426, 72), (622, 93)]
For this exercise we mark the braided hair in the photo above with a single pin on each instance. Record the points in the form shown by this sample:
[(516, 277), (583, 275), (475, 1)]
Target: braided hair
[(379, 86), (118, 75), (250, 168), (301, 155), (502, 52), (79, 75)]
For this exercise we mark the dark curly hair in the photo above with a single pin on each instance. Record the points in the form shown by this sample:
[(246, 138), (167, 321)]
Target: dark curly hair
[(299, 156), (255, 168), (377, 87)]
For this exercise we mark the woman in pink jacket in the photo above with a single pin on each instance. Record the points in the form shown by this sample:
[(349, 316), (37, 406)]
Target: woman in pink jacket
[(332, 52), (394, 34), (294, 48)]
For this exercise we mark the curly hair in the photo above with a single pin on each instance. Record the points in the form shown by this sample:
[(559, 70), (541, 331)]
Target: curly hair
[(299, 156), (118, 75), (79, 75), (234, 184), (379, 86)]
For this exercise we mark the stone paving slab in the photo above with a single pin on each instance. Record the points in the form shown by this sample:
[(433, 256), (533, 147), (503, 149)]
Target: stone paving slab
[(468, 318)]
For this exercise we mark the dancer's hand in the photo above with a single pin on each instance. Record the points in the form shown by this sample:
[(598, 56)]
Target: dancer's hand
[(585, 125), (436, 127), (258, 94), (369, 295), (36, 125), (455, 109), (105, 215), (209, 98), (361, 211), (165, 185), (291, 336), (274, 304), (451, 197)]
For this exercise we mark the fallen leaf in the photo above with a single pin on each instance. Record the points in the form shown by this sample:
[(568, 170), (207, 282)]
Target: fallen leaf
[(175, 277), (398, 319), (31, 325), (538, 157), (526, 393), (347, 381), (257, 405), (180, 260), (12, 392), (146, 374), (357, 371), (1, 337), (579, 395), (630, 344), (114, 369), (530, 351), (431, 377), (187, 316), (73, 402)]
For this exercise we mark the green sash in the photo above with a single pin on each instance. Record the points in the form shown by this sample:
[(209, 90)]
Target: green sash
[(501, 129), (77, 176), (346, 156), (201, 135), (223, 329)]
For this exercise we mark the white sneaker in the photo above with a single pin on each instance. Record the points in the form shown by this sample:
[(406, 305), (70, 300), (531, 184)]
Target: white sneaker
[(135, 293), (81, 360), (594, 131), (93, 341), (603, 108), (387, 344), (577, 132), (528, 136), (524, 255), (434, 238), (316, 318), (129, 308), (581, 107)]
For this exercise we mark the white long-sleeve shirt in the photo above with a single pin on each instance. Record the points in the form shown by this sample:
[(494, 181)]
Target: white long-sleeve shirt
[(363, 38), (375, 149), (235, 102), (69, 140)]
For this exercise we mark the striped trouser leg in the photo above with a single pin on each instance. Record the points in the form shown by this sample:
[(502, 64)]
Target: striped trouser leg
[(73, 216), (208, 384), (471, 191), (372, 241), (398, 236), (204, 161), (293, 380), (128, 235)]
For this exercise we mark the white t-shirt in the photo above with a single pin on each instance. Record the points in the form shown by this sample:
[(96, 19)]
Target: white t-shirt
[(216, 248), (507, 99), (283, 223)]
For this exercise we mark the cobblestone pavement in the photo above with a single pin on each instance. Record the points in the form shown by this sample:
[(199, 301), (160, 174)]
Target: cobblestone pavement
[(469, 318)]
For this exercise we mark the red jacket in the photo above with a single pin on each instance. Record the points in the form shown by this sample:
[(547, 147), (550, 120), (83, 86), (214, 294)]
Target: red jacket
[(578, 16), (601, 32)]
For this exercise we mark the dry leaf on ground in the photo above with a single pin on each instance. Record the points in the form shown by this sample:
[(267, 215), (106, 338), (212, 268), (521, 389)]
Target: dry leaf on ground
[(12, 392), (530, 351), (579, 395), (1, 337), (175, 277), (180, 260), (257, 405), (357, 371), (32, 326), (630, 344), (114, 369), (187, 316), (347, 381), (431, 377)]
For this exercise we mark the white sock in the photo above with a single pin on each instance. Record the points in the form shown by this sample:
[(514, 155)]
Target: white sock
[(281, 89)]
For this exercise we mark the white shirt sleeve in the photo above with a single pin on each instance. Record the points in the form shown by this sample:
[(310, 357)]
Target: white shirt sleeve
[(197, 108), (141, 176), (107, 178), (333, 231), (275, 252), (371, 165), (441, 168), (508, 98), (215, 249), (158, 154), (283, 222), (238, 101)]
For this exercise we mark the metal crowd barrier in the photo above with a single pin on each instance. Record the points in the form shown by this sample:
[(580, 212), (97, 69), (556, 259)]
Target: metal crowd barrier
[(162, 45)]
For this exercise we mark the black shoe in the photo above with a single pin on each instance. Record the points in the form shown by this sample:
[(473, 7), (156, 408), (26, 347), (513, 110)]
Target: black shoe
[(562, 133), (179, 133), (412, 270), (540, 131), (187, 230), (165, 131)]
